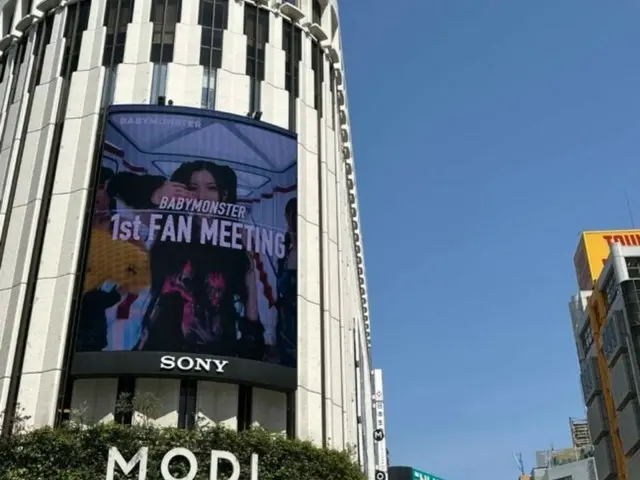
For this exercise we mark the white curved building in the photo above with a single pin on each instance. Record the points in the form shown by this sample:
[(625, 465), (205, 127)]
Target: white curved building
[(62, 64)]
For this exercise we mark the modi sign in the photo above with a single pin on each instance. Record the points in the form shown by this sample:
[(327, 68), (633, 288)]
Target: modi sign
[(141, 461)]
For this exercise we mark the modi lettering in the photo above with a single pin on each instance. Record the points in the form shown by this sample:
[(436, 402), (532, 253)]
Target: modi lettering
[(141, 461)]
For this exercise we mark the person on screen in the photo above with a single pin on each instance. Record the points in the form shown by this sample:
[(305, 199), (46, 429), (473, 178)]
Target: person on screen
[(287, 290), (116, 282), (92, 322), (104, 204), (202, 295)]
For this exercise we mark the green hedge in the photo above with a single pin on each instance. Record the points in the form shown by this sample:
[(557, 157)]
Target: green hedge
[(75, 453)]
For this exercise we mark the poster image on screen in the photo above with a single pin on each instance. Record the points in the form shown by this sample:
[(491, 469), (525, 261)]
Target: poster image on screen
[(193, 238)]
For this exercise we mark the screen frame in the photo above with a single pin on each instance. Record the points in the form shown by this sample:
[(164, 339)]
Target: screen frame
[(148, 363)]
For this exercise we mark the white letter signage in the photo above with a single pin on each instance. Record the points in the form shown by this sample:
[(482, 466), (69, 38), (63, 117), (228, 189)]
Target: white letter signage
[(216, 456), (116, 458), (179, 452), (190, 364), (141, 459)]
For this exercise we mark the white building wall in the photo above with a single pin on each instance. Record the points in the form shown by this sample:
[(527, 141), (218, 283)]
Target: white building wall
[(328, 217)]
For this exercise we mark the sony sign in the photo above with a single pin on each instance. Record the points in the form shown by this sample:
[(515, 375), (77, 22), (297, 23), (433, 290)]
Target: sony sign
[(190, 364), (140, 459)]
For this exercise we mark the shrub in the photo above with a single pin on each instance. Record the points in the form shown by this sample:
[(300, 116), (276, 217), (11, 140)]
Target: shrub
[(80, 453)]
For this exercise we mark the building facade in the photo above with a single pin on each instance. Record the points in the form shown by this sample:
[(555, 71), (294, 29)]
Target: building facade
[(580, 435), (65, 69), (575, 463), (605, 322)]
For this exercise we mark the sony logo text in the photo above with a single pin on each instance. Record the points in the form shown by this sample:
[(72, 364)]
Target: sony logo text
[(141, 459), (190, 364)]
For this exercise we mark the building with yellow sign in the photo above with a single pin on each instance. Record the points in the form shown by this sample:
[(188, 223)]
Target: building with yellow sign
[(606, 324)]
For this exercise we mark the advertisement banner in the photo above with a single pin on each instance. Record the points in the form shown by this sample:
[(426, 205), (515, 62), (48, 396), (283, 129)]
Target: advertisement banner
[(193, 243), (593, 251)]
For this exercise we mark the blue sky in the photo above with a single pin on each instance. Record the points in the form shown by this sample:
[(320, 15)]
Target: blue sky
[(487, 135)]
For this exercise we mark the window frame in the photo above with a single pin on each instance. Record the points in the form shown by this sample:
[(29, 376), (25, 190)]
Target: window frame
[(162, 51), (125, 391), (113, 50), (76, 24), (316, 12), (317, 65), (257, 38), (187, 406), (292, 47)]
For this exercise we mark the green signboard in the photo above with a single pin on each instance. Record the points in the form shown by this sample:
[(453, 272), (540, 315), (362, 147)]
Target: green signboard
[(418, 475)]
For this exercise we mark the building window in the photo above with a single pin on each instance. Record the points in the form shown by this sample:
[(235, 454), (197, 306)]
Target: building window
[(158, 81), (44, 29), (292, 46), (291, 415), (18, 60), (316, 12), (631, 298), (3, 67), (165, 14), (27, 5), (187, 406), (610, 339), (245, 400), (209, 79), (124, 400), (63, 413), (109, 88), (317, 65), (332, 86), (587, 339), (633, 267), (76, 23), (213, 19), (610, 289), (256, 28), (118, 15), (7, 16)]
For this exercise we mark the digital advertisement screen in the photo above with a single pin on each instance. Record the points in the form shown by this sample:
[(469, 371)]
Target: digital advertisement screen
[(193, 246)]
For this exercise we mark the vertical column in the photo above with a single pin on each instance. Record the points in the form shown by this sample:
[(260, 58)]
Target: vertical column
[(232, 94), (335, 366), (309, 393), (275, 99), (21, 207), (133, 81), (184, 74), (51, 311)]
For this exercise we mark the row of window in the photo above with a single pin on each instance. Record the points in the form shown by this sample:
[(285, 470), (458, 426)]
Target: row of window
[(125, 404), (213, 19)]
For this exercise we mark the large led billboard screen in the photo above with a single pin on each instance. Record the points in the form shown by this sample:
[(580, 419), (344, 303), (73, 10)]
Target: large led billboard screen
[(192, 254)]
